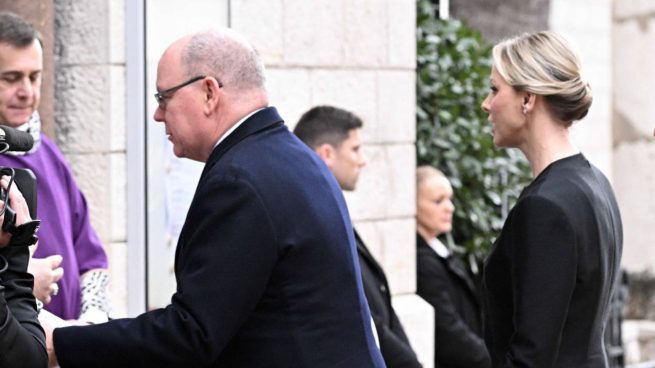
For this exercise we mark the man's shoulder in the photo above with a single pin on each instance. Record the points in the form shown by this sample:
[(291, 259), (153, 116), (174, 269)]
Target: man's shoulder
[(272, 156)]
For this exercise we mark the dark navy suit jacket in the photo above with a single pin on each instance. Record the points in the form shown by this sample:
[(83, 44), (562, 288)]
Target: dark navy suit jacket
[(266, 269)]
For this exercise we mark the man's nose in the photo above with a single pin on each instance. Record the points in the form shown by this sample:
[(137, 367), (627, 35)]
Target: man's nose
[(25, 88), (159, 114)]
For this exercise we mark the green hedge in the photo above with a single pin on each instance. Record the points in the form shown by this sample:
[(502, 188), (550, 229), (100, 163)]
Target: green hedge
[(453, 134)]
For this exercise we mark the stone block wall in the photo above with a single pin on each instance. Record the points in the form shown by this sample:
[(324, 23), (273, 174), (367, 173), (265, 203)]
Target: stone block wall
[(356, 55), (634, 112), (491, 16), (360, 56), (90, 126), (587, 25), (634, 157)]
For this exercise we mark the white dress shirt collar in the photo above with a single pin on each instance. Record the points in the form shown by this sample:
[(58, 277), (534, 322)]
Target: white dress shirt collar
[(235, 126), (439, 247)]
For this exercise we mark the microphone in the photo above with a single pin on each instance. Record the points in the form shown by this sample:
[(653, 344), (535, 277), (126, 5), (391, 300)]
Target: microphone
[(12, 139)]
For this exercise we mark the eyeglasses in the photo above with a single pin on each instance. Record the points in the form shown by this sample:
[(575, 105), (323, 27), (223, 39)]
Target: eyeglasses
[(162, 96)]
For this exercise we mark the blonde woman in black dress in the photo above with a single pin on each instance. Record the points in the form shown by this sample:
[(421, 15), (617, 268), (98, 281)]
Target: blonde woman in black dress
[(550, 274)]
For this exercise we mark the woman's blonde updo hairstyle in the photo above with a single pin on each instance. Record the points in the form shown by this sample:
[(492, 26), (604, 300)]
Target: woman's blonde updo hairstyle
[(544, 63)]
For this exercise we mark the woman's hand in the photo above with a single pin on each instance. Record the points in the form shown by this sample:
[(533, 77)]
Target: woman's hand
[(18, 204)]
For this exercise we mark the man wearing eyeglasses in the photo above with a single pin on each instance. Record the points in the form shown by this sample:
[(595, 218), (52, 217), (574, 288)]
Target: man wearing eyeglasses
[(69, 264), (266, 269)]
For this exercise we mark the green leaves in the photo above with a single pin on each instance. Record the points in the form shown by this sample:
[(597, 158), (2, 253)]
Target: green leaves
[(453, 134)]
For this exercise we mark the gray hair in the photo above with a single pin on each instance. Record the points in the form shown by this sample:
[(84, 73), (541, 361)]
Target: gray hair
[(226, 56), (17, 32)]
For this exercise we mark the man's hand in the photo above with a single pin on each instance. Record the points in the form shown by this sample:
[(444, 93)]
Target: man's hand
[(46, 273), (49, 322)]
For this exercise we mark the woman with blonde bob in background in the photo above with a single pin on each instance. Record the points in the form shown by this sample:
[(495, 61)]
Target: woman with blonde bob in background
[(550, 275), (442, 280)]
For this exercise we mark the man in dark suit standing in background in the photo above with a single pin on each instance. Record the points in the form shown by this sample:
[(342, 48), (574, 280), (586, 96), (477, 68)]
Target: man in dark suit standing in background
[(265, 263), (334, 134)]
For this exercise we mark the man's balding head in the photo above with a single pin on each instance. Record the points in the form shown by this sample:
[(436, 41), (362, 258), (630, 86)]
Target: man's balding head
[(207, 82), (227, 56)]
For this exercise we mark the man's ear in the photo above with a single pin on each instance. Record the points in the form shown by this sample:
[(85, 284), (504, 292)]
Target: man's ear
[(326, 152), (212, 94)]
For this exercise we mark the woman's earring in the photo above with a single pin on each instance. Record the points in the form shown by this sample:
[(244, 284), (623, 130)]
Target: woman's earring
[(525, 110)]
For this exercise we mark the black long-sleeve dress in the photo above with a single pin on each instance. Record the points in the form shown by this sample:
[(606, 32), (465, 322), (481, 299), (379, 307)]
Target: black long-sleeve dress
[(549, 277)]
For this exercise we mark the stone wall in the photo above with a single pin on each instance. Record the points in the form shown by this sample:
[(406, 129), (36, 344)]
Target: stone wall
[(587, 25), (90, 126), (634, 114), (634, 157), (356, 55), (361, 56), (492, 17)]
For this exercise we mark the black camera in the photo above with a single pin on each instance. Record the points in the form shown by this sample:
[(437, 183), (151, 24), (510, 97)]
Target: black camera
[(24, 234), (26, 182)]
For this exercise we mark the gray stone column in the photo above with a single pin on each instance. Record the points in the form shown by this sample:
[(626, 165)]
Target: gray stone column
[(634, 165), (90, 124)]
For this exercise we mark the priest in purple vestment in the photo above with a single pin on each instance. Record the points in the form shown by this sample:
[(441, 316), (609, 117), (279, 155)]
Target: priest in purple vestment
[(69, 264)]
